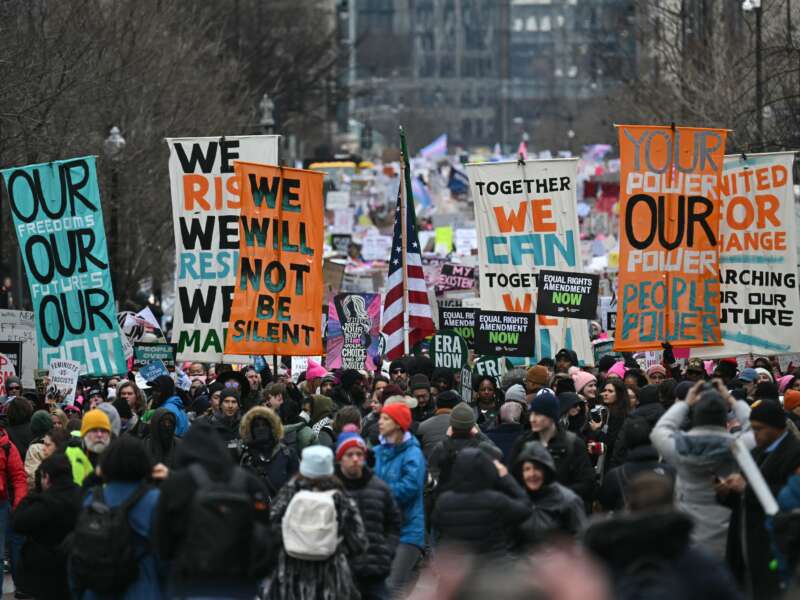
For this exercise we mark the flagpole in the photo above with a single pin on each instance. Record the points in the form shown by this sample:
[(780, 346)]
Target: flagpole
[(404, 178)]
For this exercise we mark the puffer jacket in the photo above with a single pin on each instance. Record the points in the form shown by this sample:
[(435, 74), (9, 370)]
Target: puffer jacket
[(481, 507), (274, 464), (699, 455), (12, 470), (381, 521), (402, 467)]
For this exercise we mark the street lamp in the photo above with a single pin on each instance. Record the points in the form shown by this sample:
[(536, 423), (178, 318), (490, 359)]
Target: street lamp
[(755, 6), (113, 148)]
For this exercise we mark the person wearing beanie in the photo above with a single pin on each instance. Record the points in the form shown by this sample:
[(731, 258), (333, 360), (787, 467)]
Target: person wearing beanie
[(791, 404), (701, 454), (226, 421), (378, 510), (565, 359), (420, 388), (617, 370), (510, 428), (655, 374), (516, 393), (764, 375), (350, 391), (572, 465), (315, 373), (84, 454), (41, 424), (585, 385), (400, 463), (777, 454), (163, 394), (604, 364), (766, 390), (536, 378), (434, 429), (398, 373)]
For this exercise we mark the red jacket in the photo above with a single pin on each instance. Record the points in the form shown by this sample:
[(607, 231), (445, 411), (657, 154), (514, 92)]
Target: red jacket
[(12, 471)]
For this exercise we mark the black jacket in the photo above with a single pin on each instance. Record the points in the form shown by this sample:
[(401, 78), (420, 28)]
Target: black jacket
[(504, 436), (481, 509), (638, 460), (651, 413), (45, 519), (648, 555), (573, 468), (274, 464), (162, 451), (21, 437), (381, 518)]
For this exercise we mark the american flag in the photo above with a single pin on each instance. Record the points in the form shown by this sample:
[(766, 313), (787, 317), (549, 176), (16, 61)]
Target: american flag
[(420, 317)]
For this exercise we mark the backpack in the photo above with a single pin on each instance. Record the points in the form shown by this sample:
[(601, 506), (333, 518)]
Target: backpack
[(220, 526), (649, 578), (102, 557), (310, 526)]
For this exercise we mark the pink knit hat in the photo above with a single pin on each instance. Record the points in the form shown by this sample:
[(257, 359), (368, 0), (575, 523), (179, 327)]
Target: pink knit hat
[(783, 383), (618, 369), (314, 369), (582, 379)]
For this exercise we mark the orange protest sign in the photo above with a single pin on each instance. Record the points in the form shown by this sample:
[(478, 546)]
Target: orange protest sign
[(668, 286), (277, 300)]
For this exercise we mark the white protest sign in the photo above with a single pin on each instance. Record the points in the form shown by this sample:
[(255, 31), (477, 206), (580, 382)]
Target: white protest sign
[(376, 247), (6, 370), (336, 200), (18, 343), (465, 241), (343, 220), (300, 364), (64, 379)]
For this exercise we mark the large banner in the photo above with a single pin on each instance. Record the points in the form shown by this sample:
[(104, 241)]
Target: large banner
[(277, 302), (526, 220), (669, 237), (205, 210), (354, 332), (59, 224), (758, 258)]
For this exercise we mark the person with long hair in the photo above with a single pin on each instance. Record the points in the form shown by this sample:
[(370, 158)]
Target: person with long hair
[(614, 397)]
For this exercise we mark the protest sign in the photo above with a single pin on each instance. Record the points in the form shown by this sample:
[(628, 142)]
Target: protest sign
[(277, 302), (336, 200), (466, 384), (353, 334), (341, 242), (59, 224), (144, 353), (205, 210), (376, 247), (759, 300), (443, 240), (299, 365), (343, 220), (18, 335), (64, 379), (151, 370), (607, 313), (7, 369), (466, 240), (455, 277), (603, 348), (448, 350), (459, 320), (669, 237), (494, 366), (504, 333), (572, 295), (526, 220)]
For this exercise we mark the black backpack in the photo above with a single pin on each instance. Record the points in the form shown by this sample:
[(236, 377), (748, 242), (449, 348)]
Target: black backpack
[(222, 535), (649, 578), (102, 555)]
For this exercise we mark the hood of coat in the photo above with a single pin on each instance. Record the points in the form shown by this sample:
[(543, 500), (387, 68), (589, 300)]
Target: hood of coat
[(323, 407), (473, 471), (703, 450), (260, 412), (536, 453)]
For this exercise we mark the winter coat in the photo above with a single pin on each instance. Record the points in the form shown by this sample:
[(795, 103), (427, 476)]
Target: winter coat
[(699, 455), (227, 428), (748, 549), (45, 519), (608, 435), (160, 451), (651, 413), (422, 413), (331, 579), (175, 405), (481, 508), (638, 460), (150, 582), (298, 436), (443, 457), (275, 464), (33, 459), (573, 467), (503, 436), (13, 472), (555, 509), (402, 467), (433, 430), (649, 555), (381, 519)]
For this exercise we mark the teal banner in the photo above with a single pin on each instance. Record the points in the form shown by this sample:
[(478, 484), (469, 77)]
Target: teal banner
[(59, 224)]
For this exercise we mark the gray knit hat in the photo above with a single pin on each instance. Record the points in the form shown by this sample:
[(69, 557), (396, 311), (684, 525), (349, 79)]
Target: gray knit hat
[(317, 461), (462, 417)]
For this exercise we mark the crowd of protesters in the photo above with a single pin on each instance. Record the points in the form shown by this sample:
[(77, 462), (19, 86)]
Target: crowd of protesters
[(352, 484)]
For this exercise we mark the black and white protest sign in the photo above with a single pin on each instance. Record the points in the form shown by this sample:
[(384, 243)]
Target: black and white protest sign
[(565, 294)]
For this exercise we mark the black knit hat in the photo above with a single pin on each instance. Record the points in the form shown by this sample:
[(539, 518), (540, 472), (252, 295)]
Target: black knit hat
[(710, 410), (768, 412)]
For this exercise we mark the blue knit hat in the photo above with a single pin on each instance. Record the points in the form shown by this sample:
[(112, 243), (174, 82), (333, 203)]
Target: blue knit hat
[(317, 461), (545, 403), (347, 440)]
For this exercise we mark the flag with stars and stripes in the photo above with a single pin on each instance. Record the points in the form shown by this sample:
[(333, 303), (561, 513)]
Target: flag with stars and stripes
[(420, 317)]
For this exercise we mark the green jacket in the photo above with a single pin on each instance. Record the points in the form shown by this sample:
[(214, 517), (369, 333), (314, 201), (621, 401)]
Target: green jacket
[(305, 436)]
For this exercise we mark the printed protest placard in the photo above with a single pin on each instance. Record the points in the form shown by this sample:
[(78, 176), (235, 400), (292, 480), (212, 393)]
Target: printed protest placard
[(153, 369), (144, 353), (376, 247), (59, 224), (7, 369), (504, 333), (494, 366), (607, 313), (18, 338), (455, 277), (277, 302), (353, 335), (466, 384), (341, 242), (459, 320), (448, 350), (337, 199), (205, 210), (299, 365), (563, 294), (64, 379), (760, 303), (669, 237), (526, 220)]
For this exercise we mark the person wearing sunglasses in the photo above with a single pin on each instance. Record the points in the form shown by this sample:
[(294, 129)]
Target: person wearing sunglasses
[(13, 387), (399, 373)]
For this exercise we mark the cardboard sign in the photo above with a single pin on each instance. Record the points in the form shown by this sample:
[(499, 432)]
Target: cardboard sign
[(152, 370), (144, 353), (353, 333), (572, 295), (18, 327), (504, 333), (205, 211), (277, 301), (59, 223), (64, 379), (460, 321), (760, 303), (448, 350), (669, 237), (455, 277), (7, 370)]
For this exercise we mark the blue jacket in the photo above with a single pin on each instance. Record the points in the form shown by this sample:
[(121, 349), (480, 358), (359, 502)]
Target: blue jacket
[(150, 581), (402, 467), (175, 405)]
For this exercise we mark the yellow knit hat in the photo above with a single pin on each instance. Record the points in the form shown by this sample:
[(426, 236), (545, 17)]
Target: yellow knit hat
[(95, 419)]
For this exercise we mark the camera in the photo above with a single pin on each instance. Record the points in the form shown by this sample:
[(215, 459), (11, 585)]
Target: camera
[(598, 413)]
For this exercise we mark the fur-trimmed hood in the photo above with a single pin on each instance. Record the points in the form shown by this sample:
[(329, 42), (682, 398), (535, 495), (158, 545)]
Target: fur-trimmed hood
[(265, 413)]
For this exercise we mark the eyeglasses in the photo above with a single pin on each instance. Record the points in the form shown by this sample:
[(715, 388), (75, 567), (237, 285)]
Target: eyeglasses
[(14, 386), (395, 371)]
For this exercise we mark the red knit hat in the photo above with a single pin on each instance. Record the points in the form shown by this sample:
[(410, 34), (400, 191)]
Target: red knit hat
[(791, 400), (400, 414)]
